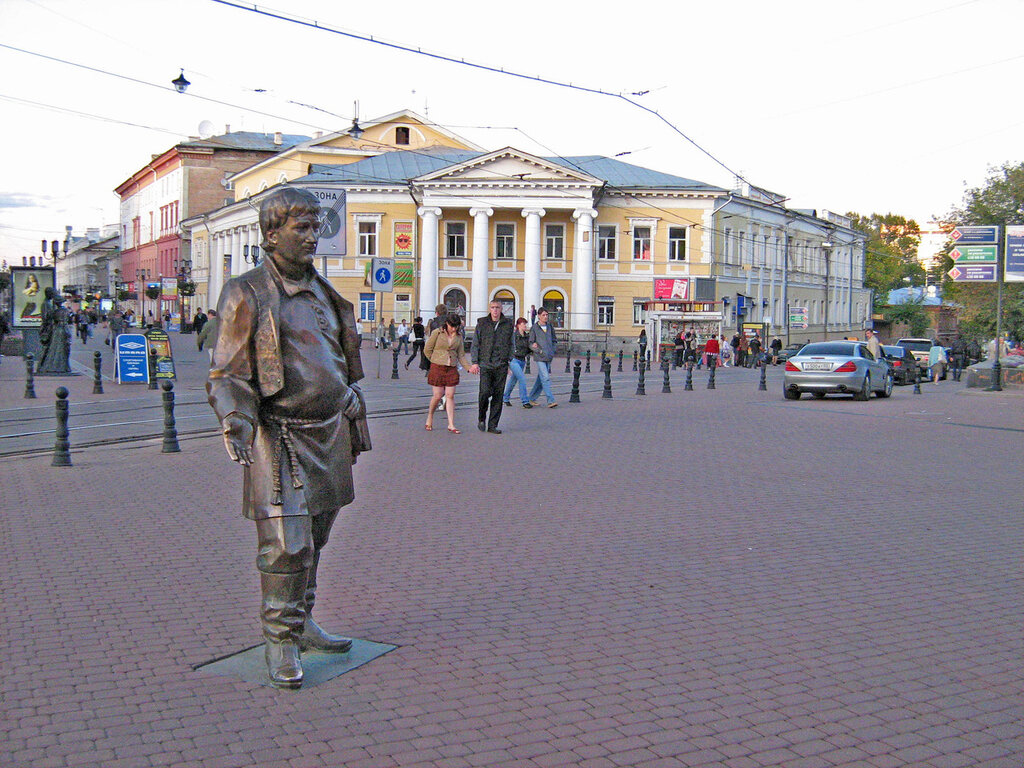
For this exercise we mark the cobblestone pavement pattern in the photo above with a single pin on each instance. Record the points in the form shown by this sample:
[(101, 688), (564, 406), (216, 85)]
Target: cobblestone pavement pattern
[(707, 578)]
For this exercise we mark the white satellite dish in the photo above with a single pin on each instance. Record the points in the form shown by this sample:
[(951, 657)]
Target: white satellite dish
[(206, 129)]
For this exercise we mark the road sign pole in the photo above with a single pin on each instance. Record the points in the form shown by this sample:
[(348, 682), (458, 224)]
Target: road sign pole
[(997, 367)]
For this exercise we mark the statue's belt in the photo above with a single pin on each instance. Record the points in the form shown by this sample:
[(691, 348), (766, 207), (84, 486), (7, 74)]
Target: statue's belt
[(282, 441)]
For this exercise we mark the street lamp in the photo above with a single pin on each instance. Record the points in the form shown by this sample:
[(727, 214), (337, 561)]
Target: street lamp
[(251, 254), (180, 83), (827, 248)]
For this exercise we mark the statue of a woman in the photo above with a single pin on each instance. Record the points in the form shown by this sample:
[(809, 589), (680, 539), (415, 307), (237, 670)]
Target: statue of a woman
[(54, 335)]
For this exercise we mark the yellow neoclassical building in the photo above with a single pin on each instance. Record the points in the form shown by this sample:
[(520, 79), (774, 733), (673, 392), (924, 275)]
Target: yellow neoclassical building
[(607, 247)]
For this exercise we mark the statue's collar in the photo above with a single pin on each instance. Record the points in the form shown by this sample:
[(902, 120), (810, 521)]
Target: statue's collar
[(292, 286)]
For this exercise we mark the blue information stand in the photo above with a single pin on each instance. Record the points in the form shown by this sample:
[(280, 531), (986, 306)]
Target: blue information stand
[(132, 351)]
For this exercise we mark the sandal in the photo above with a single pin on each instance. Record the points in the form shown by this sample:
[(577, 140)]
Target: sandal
[(454, 431)]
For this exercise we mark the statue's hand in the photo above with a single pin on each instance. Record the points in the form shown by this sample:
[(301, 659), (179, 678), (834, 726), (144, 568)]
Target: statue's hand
[(238, 438), (352, 404)]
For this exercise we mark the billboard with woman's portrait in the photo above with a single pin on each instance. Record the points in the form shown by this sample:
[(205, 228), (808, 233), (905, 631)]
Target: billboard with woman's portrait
[(28, 291)]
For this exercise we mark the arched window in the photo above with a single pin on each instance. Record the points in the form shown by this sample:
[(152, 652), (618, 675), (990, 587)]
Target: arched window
[(455, 300), (554, 303)]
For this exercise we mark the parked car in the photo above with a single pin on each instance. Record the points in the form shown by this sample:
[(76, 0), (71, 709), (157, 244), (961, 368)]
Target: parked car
[(904, 364), (789, 350), (844, 367)]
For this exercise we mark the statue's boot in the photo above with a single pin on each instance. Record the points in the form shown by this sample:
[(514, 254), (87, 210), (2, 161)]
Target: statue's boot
[(283, 618), (313, 636)]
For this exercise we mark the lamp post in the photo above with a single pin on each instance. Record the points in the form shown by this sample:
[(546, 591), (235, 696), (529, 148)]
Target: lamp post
[(827, 250), (185, 289), (141, 276)]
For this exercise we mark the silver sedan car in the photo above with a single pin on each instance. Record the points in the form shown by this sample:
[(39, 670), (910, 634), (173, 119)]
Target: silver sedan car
[(846, 367)]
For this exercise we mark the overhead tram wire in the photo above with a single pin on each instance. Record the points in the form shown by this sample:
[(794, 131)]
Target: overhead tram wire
[(312, 24), (101, 118)]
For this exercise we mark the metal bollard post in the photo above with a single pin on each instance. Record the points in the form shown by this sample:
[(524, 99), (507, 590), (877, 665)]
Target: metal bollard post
[(640, 379), (568, 359), (394, 363), (30, 377), (619, 369), (607, 394), (587, 370), (97, 376), (635, 356), (648, 359), (917, 382), (152, 370), (763, 385), (688, 386), (666, 387), (711, 372), (574, 395), (62, 446), (170, 433), (527, 368)]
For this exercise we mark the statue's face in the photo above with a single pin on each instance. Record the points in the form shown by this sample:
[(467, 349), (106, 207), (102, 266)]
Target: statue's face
[(295, 242)]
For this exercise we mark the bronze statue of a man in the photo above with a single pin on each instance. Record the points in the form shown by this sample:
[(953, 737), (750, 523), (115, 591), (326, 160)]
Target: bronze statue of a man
[(283, 383)]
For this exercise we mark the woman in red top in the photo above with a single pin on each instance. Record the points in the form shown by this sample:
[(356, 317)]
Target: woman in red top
[(711, 350)]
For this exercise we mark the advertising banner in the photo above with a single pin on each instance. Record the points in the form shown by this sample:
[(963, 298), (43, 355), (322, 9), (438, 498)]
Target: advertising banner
[(404, 239), (28, 289), (666, 288), (169, 289), (132, 354), (1013, 270), (160, 345)]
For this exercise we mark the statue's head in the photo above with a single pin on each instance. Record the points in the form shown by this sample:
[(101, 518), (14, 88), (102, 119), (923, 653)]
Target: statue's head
[(289, 220)]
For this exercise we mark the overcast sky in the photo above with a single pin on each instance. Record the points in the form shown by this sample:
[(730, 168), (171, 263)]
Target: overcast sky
[(855, 106)]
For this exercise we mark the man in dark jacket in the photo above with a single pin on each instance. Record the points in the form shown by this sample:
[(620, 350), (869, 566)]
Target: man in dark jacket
[(492, 349)]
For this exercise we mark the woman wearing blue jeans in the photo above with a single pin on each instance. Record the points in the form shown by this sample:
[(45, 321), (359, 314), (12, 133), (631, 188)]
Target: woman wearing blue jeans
[(520, 349)]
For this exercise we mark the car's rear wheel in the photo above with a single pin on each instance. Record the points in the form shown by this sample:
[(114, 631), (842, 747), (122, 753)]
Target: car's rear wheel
[(886, 387), (865, 390), (791, 394)]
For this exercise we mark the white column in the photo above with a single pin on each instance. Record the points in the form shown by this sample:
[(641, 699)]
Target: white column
[(237, 262), (531, 266), (582, 309), (478, 288), (428, 260), (215, 279)]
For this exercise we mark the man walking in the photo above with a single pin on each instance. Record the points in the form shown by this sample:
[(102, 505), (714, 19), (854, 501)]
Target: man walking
[(873, 346), (283, 385), (492, 350), (403, 338), (958, 353), (542, 344)]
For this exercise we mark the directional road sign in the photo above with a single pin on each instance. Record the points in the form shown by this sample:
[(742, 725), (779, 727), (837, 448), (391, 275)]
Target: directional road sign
[(972, 253), (974, 273), (973, 235), (382, 274)]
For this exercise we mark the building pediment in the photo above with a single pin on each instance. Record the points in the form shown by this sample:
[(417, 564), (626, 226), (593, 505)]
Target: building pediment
[(507, 167)]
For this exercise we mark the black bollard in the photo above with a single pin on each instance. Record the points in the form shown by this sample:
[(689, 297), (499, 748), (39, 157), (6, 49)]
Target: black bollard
[(763, 385), (917, 382), (527, 368), (394, 363), (588, 362), (607, 394), (574, 395), (170, 433), (568, 359), (635, 356), (619, 369), (62, 446), (666, 386), (711, 372), (640, 379), (648, 360), (30, 377), (688, 386), (97, 377), (152, 370)]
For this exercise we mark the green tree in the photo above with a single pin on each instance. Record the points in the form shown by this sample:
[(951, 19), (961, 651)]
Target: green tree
[(999, 201), (912, 314), (891, 258)]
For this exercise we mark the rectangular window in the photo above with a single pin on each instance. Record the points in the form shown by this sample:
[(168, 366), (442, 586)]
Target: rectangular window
[(504, 241), (605, 310), (677, 243), (367, 305), (455, 239), (367, 239), (554, 241), (641, 243), (640, 310), (606, 237)]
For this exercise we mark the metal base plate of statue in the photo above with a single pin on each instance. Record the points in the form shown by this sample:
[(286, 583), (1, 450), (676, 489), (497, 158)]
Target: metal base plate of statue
[(317, 667)]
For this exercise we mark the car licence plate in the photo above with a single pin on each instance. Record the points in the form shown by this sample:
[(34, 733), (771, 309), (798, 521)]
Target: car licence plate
[(817, 366)]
